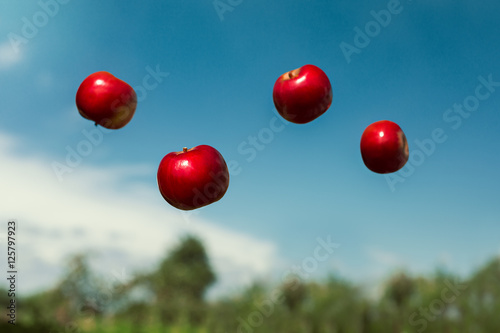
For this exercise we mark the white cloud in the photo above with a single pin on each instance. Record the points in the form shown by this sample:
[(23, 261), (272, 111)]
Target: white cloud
[(8, 55), (385, 258), (129, 227)]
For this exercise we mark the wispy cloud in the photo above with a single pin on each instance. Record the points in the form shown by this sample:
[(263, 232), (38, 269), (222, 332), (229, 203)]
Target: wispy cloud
[(96, 210), (8, 56), (385, 258)]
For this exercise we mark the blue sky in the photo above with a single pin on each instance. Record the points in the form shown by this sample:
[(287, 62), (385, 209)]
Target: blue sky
[(307, 181)]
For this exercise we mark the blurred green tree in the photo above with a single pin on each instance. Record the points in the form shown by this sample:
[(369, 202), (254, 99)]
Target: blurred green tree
[(180, 282)]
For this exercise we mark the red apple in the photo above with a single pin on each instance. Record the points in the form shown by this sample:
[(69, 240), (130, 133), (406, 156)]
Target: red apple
[(106, 100), (302, 95), (384, 148), (193, 178)]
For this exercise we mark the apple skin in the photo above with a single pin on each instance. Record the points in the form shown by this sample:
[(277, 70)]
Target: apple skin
[(106, 100), (384, 147), (302, 95), (193, 178)]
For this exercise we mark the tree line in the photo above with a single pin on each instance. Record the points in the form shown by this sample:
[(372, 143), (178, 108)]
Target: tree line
[(171, 298)]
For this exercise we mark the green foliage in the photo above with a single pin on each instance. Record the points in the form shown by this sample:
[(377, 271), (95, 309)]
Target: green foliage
[(185, 272), (177, 286), (170, 298)]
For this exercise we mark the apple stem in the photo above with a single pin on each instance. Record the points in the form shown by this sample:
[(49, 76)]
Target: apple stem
[(290, 75), (184, 149), (96, 124)]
